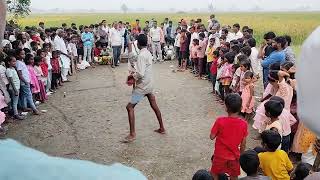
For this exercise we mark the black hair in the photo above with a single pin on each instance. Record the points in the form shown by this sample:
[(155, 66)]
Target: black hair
[(252, 42), (85, 27), (40, 23), (246, 50), (212, 39), (225, 31), (235, 41), (33, 43), (277, 98), (227, 44), (39, 51), (64, 24), (249, 162), (248, 74), (275, 66), (281, 40), (8, 59), (247, 36), (98, 44), (246, 63), (242, 57), (170, 22), (224, 50), (216, 53), (287, 65), (142, 40), (269, 35), (202, 175), (26, 50), (55, 53), (288, 39), (302, 171), (230, 57), (259, 149), (37, 60), (15, 44), (196, 41), (235, 48), (202, 35), (27, 59), (273, 75), (271, 139), (233, 103), (245, 28), (250, 31), (18, 51), (273, 108), (237, 25), (223, 37)]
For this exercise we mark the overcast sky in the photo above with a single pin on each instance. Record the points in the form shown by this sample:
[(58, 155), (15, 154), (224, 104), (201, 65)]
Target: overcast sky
[(176, 4)]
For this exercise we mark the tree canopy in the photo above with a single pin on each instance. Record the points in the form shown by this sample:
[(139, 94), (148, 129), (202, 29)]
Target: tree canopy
[(18, 8)]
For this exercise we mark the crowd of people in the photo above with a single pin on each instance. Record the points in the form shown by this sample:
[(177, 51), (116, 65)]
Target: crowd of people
[(36, 61)]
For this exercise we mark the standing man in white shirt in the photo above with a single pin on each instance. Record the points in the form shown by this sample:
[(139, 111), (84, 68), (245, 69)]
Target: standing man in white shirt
[(156, 33), (115, 43), (237, 34), (143, 85), (60, 45)]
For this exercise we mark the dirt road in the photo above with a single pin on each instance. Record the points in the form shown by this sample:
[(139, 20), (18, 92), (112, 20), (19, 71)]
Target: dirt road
[(91, 120)]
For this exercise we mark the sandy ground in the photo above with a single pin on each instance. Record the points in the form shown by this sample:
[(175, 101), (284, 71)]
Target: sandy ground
[(91, 120)]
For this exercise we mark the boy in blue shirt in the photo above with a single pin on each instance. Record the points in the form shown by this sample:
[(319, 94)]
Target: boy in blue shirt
[(87, 39)]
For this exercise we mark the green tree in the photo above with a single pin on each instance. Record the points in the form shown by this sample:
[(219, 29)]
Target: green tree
[(18, 8)]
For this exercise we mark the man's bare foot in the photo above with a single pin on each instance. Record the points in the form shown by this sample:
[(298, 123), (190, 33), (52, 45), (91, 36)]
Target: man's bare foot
[(160, 131), (129, 139), (27, 110)]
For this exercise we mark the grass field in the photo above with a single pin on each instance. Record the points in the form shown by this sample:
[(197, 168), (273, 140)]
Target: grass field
[(298, 25)]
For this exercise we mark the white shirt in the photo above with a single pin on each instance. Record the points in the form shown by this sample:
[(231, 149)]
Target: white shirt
[(142, 72), (12, 38), (73, 49), (60, 45), (115, 37), (255, 61), (235, 36), (155, 34), (3, 76), (177, 40), (48, 40), (48, 60), (106, 29)]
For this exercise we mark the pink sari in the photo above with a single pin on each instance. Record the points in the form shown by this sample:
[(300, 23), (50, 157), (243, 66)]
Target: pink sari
[(33, 80)]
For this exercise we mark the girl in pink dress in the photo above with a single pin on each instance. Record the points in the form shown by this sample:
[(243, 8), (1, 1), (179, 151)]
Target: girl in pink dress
[(29, 60), (247, 95)]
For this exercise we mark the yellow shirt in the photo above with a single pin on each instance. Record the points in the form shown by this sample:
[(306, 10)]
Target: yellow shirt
[(209, 54), (276, 164)]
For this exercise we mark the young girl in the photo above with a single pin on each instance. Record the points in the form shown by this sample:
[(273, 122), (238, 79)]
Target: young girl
[(218, 86), (42, 96), (44, 66), (227, 73), (247, 95), (201, 53), (56, 73), (35, 87), (14, 85), (48, 55), (183, 49), (214, 70), (236, 79), (194, 57)]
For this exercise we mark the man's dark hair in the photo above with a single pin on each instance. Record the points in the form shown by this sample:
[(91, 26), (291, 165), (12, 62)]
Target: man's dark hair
[(223, 37), (275, 66), (212, 16), (237, 25), (41, 23), (249, 162), (271, 139), (64, 24), (246, 50), (273, 108), (202, 175), (269, 35), (277, 98), (288, 39), (252, 42), (142, 40), (85, 27), (281, 40), (233, 103), (245, 28)]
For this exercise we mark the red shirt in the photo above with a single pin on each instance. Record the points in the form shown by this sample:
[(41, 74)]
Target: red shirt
[(96, 52), (55, 65), (44, 68), (214, 66), (229, 132)]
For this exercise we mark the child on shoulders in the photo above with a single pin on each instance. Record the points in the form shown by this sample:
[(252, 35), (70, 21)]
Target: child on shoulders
[(230, 132)]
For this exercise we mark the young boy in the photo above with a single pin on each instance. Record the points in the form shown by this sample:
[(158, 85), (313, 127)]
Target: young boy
[(249, 162), (230, 132), (274, 163)]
